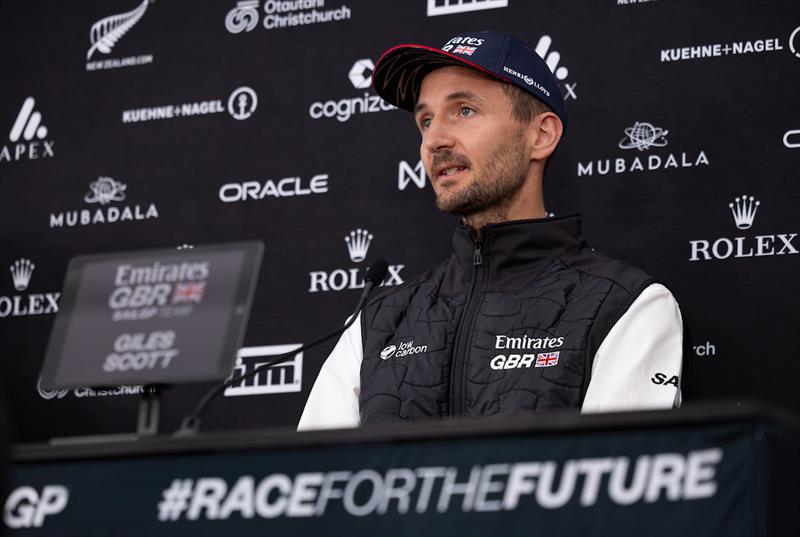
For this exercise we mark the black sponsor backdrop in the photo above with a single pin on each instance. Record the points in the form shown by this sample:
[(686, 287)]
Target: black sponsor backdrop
[(731, 111)]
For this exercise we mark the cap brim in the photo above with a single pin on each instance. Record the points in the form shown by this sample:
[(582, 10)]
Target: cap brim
[(398, 75)]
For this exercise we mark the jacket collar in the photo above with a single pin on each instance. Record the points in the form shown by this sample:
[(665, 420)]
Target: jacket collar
[(519, 245)]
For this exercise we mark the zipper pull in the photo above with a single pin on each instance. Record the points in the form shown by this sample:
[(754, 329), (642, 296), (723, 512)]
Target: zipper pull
[(477, 259)]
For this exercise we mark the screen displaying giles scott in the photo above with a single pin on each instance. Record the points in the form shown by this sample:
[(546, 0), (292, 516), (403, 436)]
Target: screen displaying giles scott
[(151, 317)]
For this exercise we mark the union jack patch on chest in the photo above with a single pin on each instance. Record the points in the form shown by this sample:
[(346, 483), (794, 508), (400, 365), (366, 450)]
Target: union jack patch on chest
[(547, 359)]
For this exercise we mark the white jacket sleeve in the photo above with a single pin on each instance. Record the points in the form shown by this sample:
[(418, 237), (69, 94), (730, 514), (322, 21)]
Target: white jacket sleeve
[(638, 364), (333, 403)]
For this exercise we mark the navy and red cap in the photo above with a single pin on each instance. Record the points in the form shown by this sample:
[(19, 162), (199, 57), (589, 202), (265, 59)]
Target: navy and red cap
[(398, 75)]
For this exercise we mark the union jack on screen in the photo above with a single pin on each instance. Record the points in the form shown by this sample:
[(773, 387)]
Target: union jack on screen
[(188, 292)]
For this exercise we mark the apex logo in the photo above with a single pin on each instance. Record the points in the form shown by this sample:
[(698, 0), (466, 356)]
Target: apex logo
[(361, 73), (358, 242), (104, 191), (31, 304), (743, 210), (105, 33), (552, 59), (643, 136), (448, 7), (28, 127), (407, 174), (286, 377)]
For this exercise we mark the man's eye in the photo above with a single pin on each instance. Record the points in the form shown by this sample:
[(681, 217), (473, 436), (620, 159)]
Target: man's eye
[(466, 111), (425, 123)]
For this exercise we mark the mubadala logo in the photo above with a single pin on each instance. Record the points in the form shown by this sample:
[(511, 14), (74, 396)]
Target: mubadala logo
[(241, 104), (105, 33), (27, 136), (358, 242), (104, 191), (286, 377), (282, 14), (404, 349), (279, 188), (360, 77), (30, 304), (734, 48), (744, 210), (407, 174), (448, 7), (643, 136)]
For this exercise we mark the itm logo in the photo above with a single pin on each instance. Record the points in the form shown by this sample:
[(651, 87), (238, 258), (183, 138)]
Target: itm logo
[(407, 174), (27, 134), (31, 304), (358, 242), (285, 377), (26, 507), (552, 59), (448, 7), (643, 136), (744, 211), (360, 74)]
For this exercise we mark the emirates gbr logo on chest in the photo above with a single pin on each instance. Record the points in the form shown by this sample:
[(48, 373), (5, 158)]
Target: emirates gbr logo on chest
[(523, 359)]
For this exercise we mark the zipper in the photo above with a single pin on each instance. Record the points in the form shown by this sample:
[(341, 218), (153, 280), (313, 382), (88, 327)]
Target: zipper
[(464, 332)]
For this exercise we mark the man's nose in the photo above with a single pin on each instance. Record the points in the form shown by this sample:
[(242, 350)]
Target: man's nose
[(437, 137)]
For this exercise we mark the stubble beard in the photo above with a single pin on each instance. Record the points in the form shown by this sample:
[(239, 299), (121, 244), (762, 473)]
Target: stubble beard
[(491, 191)]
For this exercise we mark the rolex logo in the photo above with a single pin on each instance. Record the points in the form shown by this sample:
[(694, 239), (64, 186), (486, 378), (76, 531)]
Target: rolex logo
[(21, 271), (358, 244), (744, 211)]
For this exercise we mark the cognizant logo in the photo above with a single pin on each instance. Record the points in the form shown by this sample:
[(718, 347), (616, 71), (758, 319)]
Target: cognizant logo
[(344, 109)]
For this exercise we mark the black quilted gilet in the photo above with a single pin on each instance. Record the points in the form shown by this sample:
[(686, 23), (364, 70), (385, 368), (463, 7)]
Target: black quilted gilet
[(507, 325)]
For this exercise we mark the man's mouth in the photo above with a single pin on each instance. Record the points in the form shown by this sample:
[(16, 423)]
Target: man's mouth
[(450, 170)]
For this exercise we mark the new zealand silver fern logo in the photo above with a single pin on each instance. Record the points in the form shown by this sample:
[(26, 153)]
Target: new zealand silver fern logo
[(106, 32)]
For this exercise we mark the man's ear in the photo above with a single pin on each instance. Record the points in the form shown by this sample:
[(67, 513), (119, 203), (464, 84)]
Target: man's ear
[(544, 133)]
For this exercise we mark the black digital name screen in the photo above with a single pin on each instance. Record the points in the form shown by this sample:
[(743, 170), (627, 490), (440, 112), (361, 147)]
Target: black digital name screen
[(152, 317)]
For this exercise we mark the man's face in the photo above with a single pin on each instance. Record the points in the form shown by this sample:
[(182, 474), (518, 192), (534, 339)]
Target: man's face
[(474, 151)]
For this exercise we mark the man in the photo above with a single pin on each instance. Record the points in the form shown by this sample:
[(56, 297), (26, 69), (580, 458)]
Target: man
[(523, 317)]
